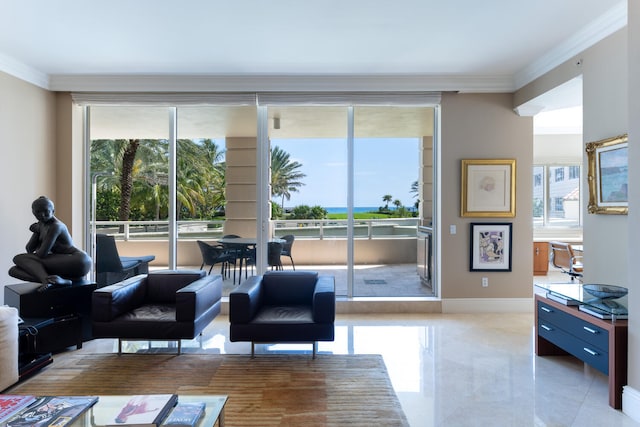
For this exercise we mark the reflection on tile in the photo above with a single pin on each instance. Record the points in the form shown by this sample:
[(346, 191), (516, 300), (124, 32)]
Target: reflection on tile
[(450, 370)]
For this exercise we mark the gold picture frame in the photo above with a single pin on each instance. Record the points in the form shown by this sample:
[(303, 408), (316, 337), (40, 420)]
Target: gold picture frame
[(608, 176), (488, 188)]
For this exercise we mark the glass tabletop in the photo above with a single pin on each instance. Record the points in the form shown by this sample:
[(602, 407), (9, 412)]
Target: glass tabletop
[(106, 406), (576, 292)]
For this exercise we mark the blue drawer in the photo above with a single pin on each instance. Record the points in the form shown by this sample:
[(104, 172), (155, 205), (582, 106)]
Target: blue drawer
[(588, 332), (583, 350)]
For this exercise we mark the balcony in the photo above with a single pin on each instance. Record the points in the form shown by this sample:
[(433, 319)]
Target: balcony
[(385, 251)]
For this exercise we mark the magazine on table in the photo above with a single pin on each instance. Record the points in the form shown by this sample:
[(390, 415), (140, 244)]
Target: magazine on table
[(142, 410), (52, 411), (10, 404), (185, 414)]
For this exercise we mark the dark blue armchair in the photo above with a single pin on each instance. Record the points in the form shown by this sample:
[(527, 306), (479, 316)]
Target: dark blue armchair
[(283, 306)]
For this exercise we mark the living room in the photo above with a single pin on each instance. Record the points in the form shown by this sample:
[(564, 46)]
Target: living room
[(45, 127)]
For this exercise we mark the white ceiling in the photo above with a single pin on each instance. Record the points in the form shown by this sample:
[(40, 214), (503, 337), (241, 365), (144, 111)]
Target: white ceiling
[(438, 45)]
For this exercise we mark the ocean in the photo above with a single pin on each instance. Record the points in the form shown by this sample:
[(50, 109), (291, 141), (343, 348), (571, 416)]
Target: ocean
[(356, 209)]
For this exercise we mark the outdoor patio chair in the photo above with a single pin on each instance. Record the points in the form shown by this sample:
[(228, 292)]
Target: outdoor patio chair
[(274, 251), (212, 255), (286, 248)]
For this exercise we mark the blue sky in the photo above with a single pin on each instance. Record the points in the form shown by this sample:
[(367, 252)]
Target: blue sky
[(382, 166)]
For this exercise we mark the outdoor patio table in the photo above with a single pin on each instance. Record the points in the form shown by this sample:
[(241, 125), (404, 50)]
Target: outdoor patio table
[(244, 245)]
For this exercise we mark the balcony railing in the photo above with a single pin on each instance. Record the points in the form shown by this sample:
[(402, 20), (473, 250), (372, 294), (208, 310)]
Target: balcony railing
[(302, 229)]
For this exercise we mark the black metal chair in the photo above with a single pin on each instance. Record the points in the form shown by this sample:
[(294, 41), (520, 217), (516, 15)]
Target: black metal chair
[(212, 255), (286, 247), (274, 251), (241, 253)]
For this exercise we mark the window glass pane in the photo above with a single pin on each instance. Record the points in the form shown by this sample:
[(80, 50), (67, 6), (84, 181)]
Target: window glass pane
[(390, 177), (129, 145), (309, 187), (564, 196), (538, 196)]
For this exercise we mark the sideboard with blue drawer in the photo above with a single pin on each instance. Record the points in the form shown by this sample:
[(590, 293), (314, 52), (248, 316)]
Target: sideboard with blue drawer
[(602, 344)]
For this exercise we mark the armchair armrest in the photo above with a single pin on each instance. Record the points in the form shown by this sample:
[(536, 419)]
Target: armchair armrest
[(197, 297), (324, 300), (245, 300), (111, 301)]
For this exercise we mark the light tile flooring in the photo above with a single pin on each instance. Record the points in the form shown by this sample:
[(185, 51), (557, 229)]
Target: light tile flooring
[(449, 369)]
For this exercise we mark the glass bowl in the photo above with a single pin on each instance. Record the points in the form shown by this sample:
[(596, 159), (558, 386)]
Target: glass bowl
[(605, 291)]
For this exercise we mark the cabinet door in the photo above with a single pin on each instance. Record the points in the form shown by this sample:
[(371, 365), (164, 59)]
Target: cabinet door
[(540, 258)]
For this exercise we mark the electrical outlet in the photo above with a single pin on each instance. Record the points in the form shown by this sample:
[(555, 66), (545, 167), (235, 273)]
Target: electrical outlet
[(485, 282)]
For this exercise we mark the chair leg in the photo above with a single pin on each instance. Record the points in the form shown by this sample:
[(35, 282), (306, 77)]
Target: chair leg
[(179, 347), (315, 349), (253, 349), (119, 346)]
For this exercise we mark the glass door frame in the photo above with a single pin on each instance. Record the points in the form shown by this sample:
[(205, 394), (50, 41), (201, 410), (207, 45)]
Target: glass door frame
[(264, 194)]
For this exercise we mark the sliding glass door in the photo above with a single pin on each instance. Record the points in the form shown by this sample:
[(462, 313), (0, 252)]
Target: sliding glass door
[(308, 188), (350, 180)]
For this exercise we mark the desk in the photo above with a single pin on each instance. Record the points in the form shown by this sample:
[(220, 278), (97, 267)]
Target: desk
[(562, 329), (244, 246)]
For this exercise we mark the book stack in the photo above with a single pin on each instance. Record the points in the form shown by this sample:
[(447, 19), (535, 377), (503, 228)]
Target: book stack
[(143, 410), (12, 404), (602, 314), (562, 299), (185, 414), (43, 411)]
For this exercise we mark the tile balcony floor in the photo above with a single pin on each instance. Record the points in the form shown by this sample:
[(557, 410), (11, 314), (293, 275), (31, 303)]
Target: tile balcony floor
[(449, 369)]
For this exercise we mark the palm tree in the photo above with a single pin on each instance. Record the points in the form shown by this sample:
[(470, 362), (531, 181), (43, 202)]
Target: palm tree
[(415, 189), (285, 175), (397, 203), (386, 199)]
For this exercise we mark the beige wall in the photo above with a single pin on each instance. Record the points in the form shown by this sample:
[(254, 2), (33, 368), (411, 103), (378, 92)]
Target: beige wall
[(633, 231), (557, 149), (305, 252), (605, 114), (27, 164), (484, 126), (241, 188), (70, 166)]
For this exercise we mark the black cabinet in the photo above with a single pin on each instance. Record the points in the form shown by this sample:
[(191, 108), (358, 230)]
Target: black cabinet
[(69, 307), (31, 357)]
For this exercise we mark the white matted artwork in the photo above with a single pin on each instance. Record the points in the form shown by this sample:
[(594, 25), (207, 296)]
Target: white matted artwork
[(490, 247), (488, 188)]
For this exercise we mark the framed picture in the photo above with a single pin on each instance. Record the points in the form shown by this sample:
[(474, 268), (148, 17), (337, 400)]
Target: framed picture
[(488, 188), (608, 175), (490, 247)]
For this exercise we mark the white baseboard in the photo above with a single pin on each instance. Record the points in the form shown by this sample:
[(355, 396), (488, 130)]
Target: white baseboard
[(487, 305), (631, 402)]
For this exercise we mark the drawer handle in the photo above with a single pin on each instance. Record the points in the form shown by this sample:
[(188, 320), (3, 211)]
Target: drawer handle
[(591, 352), (546, 328), (588, 329), (543, 308)]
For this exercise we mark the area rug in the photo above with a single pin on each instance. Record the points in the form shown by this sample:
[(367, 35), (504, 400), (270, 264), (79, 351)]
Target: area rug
[(268, 390)]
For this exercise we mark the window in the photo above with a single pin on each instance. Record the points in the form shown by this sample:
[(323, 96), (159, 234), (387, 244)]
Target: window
[(574, 172), (556, 200)]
